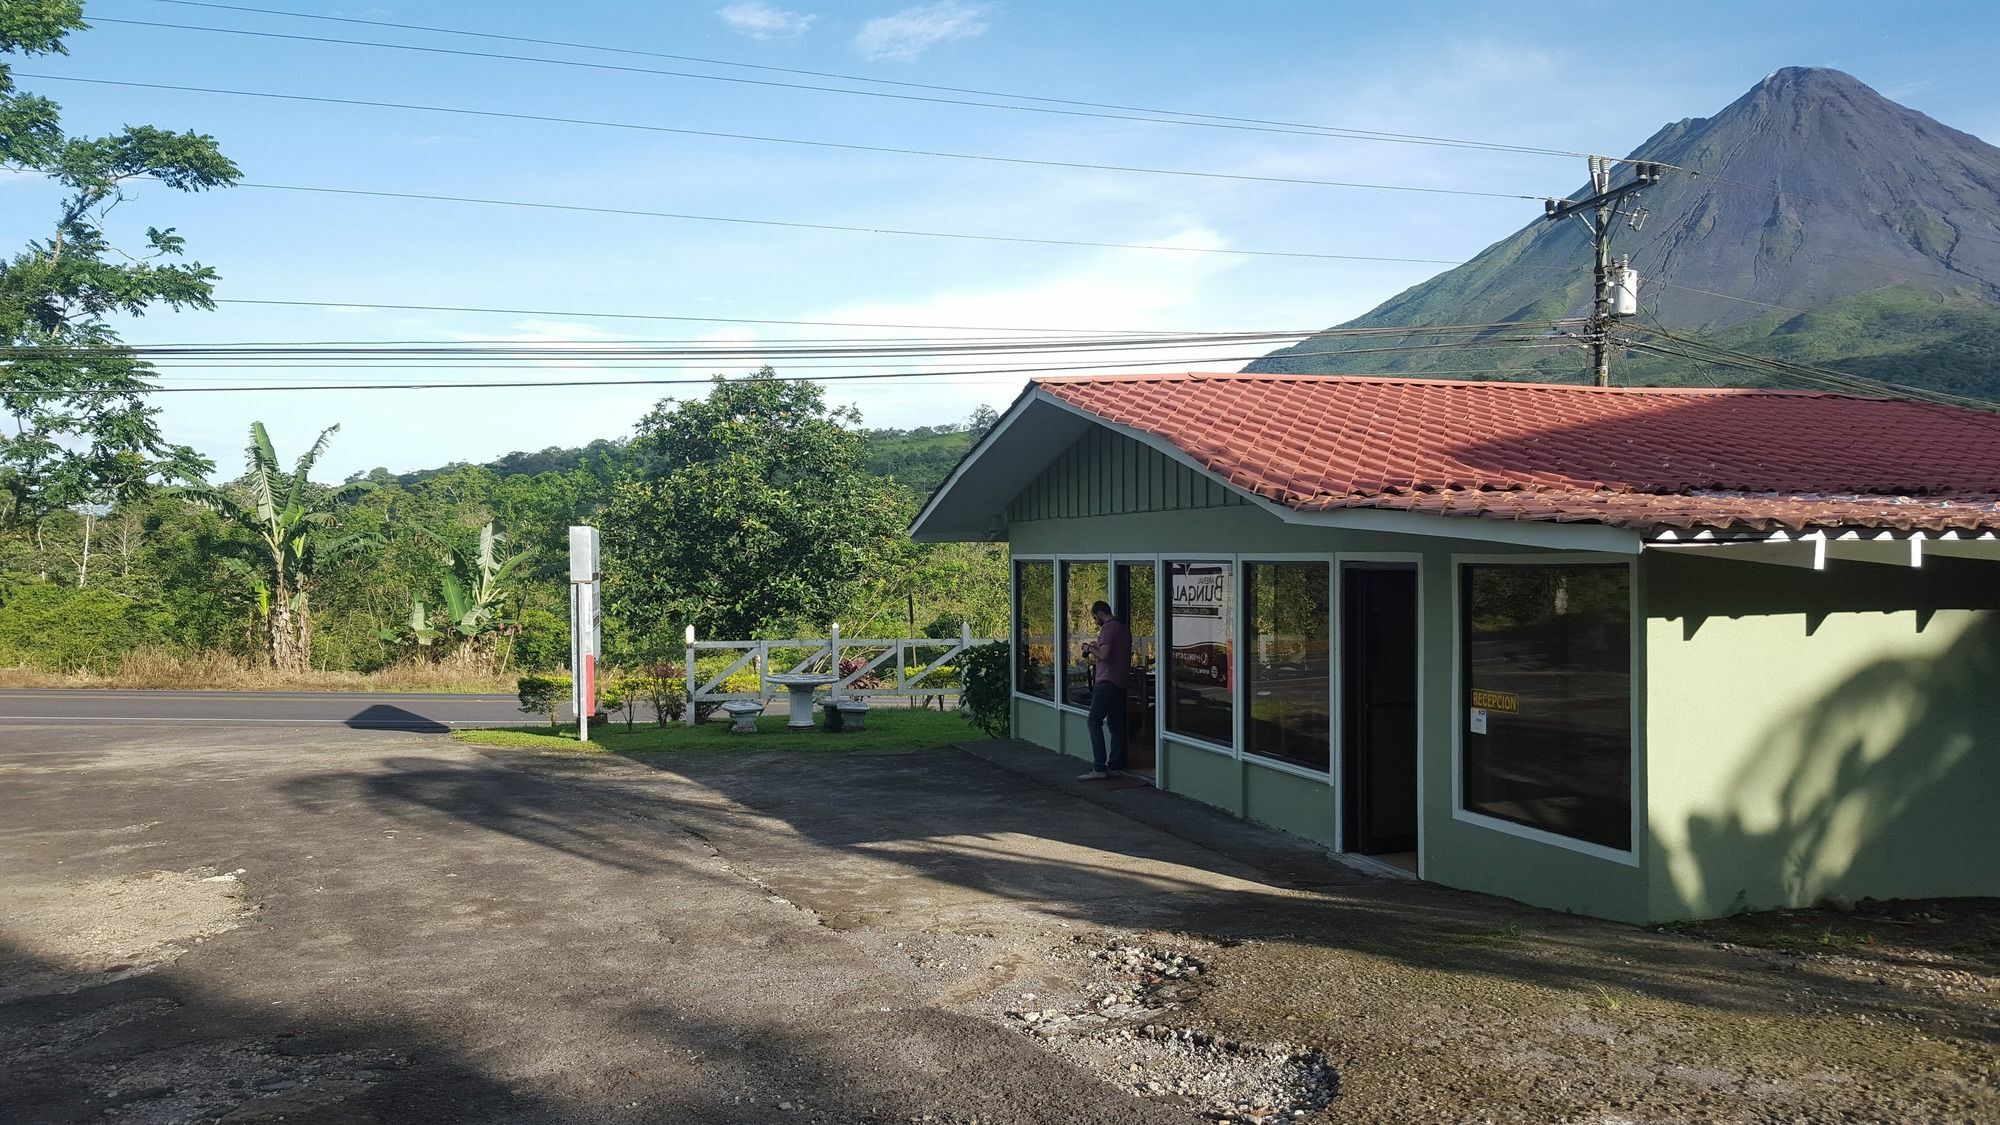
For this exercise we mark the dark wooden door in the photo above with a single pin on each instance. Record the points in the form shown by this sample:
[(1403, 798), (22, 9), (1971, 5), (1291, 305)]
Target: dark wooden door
[(1378, 701), (1132, 598)]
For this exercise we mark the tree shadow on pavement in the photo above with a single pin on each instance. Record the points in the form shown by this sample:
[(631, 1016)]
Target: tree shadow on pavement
[(167, 1047)]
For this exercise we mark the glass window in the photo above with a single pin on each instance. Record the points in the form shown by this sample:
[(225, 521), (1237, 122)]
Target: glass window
[(1548, 708), (1200, 626), (1286, 669), (1035, 628), (1083, 583)]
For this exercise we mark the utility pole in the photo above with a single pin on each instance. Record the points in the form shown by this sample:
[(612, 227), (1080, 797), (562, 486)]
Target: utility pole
[(1604, 204)]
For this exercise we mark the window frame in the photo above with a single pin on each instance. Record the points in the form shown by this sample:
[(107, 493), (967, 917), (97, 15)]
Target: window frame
[(1233, 745), (1064, 642), (1014, 623), (1244, 564), (1631, 855)]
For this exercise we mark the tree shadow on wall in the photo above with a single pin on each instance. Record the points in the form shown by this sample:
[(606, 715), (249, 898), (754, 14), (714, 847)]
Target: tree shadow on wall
[(1882, 779)]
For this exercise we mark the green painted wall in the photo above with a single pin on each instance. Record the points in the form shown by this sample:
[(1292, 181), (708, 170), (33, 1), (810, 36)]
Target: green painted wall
[(1204, 775), (1298, 805), (1075, 735), (1036, 722), (1816, 732), (1106, 473)]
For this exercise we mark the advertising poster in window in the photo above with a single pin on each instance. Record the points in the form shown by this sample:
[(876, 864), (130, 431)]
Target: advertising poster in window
[(1200, 628)]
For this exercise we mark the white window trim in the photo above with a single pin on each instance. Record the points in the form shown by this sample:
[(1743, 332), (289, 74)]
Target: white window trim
[(1062, 627), (1629, 857), (1279, 765), (1159, 666), (1198, 743), (1014, 624), (1233, 748), (1414, 561)]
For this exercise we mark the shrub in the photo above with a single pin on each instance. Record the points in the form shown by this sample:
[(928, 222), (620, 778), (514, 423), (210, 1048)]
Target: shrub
[(988, 689), (618, 691), (662, 686), (542, 695), (852, 664), (64, 629)]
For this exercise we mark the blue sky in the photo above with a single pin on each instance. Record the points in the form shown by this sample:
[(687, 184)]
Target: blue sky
[(1520, 74)]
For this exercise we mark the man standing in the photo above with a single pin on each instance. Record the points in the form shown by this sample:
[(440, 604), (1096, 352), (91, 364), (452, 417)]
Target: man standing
[(1111, 658)]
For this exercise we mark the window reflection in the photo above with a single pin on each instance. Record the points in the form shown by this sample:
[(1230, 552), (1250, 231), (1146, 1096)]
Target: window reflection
[(1548, 709), (1286, 613), (1035, 628), (1083, 583)]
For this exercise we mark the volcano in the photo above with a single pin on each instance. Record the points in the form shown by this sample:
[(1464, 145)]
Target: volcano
[(1817, 221)]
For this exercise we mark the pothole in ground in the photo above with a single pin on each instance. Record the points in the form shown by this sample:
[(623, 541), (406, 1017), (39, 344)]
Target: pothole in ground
[(1111, 1033)]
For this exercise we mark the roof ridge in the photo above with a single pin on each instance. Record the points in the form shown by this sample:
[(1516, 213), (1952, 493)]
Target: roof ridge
[(1418, 380)]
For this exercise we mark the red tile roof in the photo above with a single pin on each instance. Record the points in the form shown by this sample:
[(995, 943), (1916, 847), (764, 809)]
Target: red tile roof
[(1630, 457)]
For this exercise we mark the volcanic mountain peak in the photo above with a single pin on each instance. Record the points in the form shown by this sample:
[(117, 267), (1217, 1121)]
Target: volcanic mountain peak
[(1810, 191)]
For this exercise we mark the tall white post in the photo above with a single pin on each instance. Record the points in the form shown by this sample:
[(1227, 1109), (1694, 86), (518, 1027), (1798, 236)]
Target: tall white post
[(833, 646), (694, 683), (585, 642)]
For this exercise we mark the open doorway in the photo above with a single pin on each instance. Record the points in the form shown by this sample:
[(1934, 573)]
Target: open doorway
[(1378, 703), (1133, 599)]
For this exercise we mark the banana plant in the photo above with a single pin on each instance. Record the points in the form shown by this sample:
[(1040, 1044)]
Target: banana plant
[(476, 589), (298, 532), (416, 629)]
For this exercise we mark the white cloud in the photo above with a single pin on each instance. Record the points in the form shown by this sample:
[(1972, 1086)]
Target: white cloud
[(912, 31), (759, 20), (1119, 290)]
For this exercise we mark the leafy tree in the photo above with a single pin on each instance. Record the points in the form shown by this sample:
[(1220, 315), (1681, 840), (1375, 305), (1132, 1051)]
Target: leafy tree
[(751, 512), (296, 524), (82, 433)]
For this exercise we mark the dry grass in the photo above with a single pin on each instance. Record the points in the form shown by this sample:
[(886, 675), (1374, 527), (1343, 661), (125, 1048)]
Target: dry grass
[(162, 669)]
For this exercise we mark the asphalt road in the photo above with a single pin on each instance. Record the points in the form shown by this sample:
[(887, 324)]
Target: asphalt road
[(356, 710)]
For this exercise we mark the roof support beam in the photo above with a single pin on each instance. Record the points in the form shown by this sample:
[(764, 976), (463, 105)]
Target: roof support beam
[(1854, 547), (1954, 545), (1807, 553)]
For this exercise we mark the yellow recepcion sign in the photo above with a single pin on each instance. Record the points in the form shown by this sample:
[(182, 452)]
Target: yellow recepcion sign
[(1505, 702)]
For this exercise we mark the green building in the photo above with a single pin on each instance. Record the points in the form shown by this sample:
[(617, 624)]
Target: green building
[(1641, 654)]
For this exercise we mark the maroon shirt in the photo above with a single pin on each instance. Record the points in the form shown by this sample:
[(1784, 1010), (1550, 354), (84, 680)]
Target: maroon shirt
[(1114, 654)]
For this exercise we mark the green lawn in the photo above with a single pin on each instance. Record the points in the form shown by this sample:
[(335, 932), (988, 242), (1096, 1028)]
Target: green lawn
[(888, 729)]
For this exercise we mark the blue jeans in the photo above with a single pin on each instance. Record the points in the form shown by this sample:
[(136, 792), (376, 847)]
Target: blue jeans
[(1107, 706)]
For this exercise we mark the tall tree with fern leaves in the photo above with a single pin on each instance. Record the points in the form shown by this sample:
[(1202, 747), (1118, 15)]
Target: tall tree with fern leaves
[(296, 524), (75, 427)]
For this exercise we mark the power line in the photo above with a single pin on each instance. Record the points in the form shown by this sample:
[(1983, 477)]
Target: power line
[(1692, 348), (1526, 342), (762, 139), (845, 229), (619, 350), (1335, 129), (594, 315), (1190, 120)]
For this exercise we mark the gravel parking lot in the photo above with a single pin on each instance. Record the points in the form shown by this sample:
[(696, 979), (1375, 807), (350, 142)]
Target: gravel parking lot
[(328, 924)]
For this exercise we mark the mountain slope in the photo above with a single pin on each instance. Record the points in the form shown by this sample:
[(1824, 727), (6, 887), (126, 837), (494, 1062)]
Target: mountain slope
[(1813, 191)]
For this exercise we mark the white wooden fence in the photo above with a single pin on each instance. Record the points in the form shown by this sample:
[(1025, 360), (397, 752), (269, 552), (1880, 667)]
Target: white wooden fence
[(916, 660)]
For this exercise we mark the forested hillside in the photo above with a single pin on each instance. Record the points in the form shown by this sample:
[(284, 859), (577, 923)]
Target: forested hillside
[(391, 571), (918, 458)]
